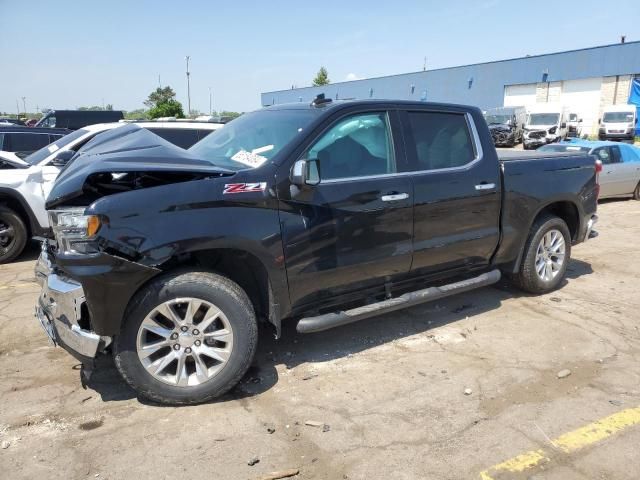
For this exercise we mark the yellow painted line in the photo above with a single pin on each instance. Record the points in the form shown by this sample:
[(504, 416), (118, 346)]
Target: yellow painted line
[(18, 285), (569, 442), (598, 430), (517, 464)]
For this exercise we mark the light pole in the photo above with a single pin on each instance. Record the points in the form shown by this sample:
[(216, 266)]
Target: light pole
[(188, 87), (210, 103), (24, 105)]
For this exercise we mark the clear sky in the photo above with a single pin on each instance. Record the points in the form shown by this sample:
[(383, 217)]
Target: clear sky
[(66, 54)]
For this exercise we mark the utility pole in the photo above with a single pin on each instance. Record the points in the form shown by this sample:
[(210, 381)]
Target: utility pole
[(210, 103), (17, 108), (424, 66), (24, 105), (188, 87), (159, 83)]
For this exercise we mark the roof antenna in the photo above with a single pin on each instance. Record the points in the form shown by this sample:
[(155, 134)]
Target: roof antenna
[(320, 100)]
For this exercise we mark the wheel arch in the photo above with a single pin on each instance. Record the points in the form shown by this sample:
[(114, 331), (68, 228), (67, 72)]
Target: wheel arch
[(17, 203), (242, 267), (565, 209)]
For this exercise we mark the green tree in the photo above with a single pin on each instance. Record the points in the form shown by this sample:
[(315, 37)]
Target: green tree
[(322, 78), (160, 95), (226, 113), (139, 114), (168, 108)]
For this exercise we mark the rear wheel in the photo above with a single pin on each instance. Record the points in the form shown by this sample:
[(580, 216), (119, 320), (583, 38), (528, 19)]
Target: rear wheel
[(13, 235), (636, 192), (546, 256), (187, 338)]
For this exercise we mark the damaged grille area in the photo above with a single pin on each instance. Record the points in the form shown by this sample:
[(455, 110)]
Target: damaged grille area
[(537, 134), (102, 184)]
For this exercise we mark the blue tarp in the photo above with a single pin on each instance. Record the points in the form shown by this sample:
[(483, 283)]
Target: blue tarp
[(634, 98)]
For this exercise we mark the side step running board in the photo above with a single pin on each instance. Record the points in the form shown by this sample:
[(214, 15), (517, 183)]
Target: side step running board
[(335, 319)]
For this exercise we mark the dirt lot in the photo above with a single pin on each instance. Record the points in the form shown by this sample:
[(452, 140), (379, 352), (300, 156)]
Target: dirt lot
[(441, 391)]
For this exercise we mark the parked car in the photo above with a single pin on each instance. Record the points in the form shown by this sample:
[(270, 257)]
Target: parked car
[(574, 126), (23, 141), (621, 165), (25, 183), (75, 119), (618, 122), (506, 125), (546, 123), (324, 213)]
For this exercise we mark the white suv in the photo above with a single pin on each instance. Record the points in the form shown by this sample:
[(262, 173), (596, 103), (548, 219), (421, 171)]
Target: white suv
[(25, 183)]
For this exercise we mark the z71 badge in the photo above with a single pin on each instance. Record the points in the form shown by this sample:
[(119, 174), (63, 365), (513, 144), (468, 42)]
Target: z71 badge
[(244, 187)]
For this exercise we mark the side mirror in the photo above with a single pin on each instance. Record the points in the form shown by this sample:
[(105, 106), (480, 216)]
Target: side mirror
[(305, 172), (599, 121), (563, 125), (61, 159), (579, 120)]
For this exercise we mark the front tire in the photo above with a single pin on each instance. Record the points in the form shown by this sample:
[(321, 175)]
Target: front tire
[(13, 235), (186, 338), (546, 255)]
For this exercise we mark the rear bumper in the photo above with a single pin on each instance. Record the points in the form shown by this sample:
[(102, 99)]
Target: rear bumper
[(60, 310), (589, 228)]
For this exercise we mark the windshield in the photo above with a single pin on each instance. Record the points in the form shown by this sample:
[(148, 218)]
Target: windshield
[(253, 138), (498, 119), (617, 117), (563, 148), (543, 118), (40, 155)]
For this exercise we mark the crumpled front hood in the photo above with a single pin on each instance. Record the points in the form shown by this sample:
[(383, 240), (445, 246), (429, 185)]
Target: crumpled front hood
[(501, 127), (124, 150)]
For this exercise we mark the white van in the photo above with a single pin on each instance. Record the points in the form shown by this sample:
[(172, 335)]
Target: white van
[(618, 122), (546, 123)]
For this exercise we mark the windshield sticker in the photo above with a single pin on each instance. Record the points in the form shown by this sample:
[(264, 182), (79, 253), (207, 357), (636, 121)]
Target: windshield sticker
[(53, 147), (249, 158), (244, 187)]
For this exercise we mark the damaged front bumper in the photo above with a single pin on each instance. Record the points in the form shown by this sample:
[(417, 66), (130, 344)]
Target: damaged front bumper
[(62, 313)]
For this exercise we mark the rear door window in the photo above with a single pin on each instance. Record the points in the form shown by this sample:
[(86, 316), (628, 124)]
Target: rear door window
[(615, 155), (27, 142), (181, 137), (441, 140)]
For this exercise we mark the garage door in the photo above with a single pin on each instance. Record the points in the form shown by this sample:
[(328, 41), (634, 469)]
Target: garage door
[(583, 97), (520, 95)]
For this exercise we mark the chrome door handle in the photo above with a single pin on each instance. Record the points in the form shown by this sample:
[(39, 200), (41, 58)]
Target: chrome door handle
[(486, 186), (394, 197)]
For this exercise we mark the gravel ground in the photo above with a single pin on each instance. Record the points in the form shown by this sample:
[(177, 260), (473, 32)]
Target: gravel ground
[(440, 391)]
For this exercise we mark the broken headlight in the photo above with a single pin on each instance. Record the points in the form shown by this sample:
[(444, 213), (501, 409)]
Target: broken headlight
[(74, 230)]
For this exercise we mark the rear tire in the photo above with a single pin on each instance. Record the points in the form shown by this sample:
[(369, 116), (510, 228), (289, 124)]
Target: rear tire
[(13, 235), (636, 192), (547, 253), (198, 365)]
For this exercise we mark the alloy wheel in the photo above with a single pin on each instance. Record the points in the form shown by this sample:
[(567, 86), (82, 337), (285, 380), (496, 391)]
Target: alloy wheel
[(185, 342), (550, 255)]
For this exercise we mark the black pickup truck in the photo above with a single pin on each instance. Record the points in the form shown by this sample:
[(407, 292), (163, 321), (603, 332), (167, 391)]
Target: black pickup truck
[(324, 213)]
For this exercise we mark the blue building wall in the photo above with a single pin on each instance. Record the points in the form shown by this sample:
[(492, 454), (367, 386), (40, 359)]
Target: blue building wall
[(480, 84)]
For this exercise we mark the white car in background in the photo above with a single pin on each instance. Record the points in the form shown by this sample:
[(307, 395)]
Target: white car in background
[(26, 183)]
